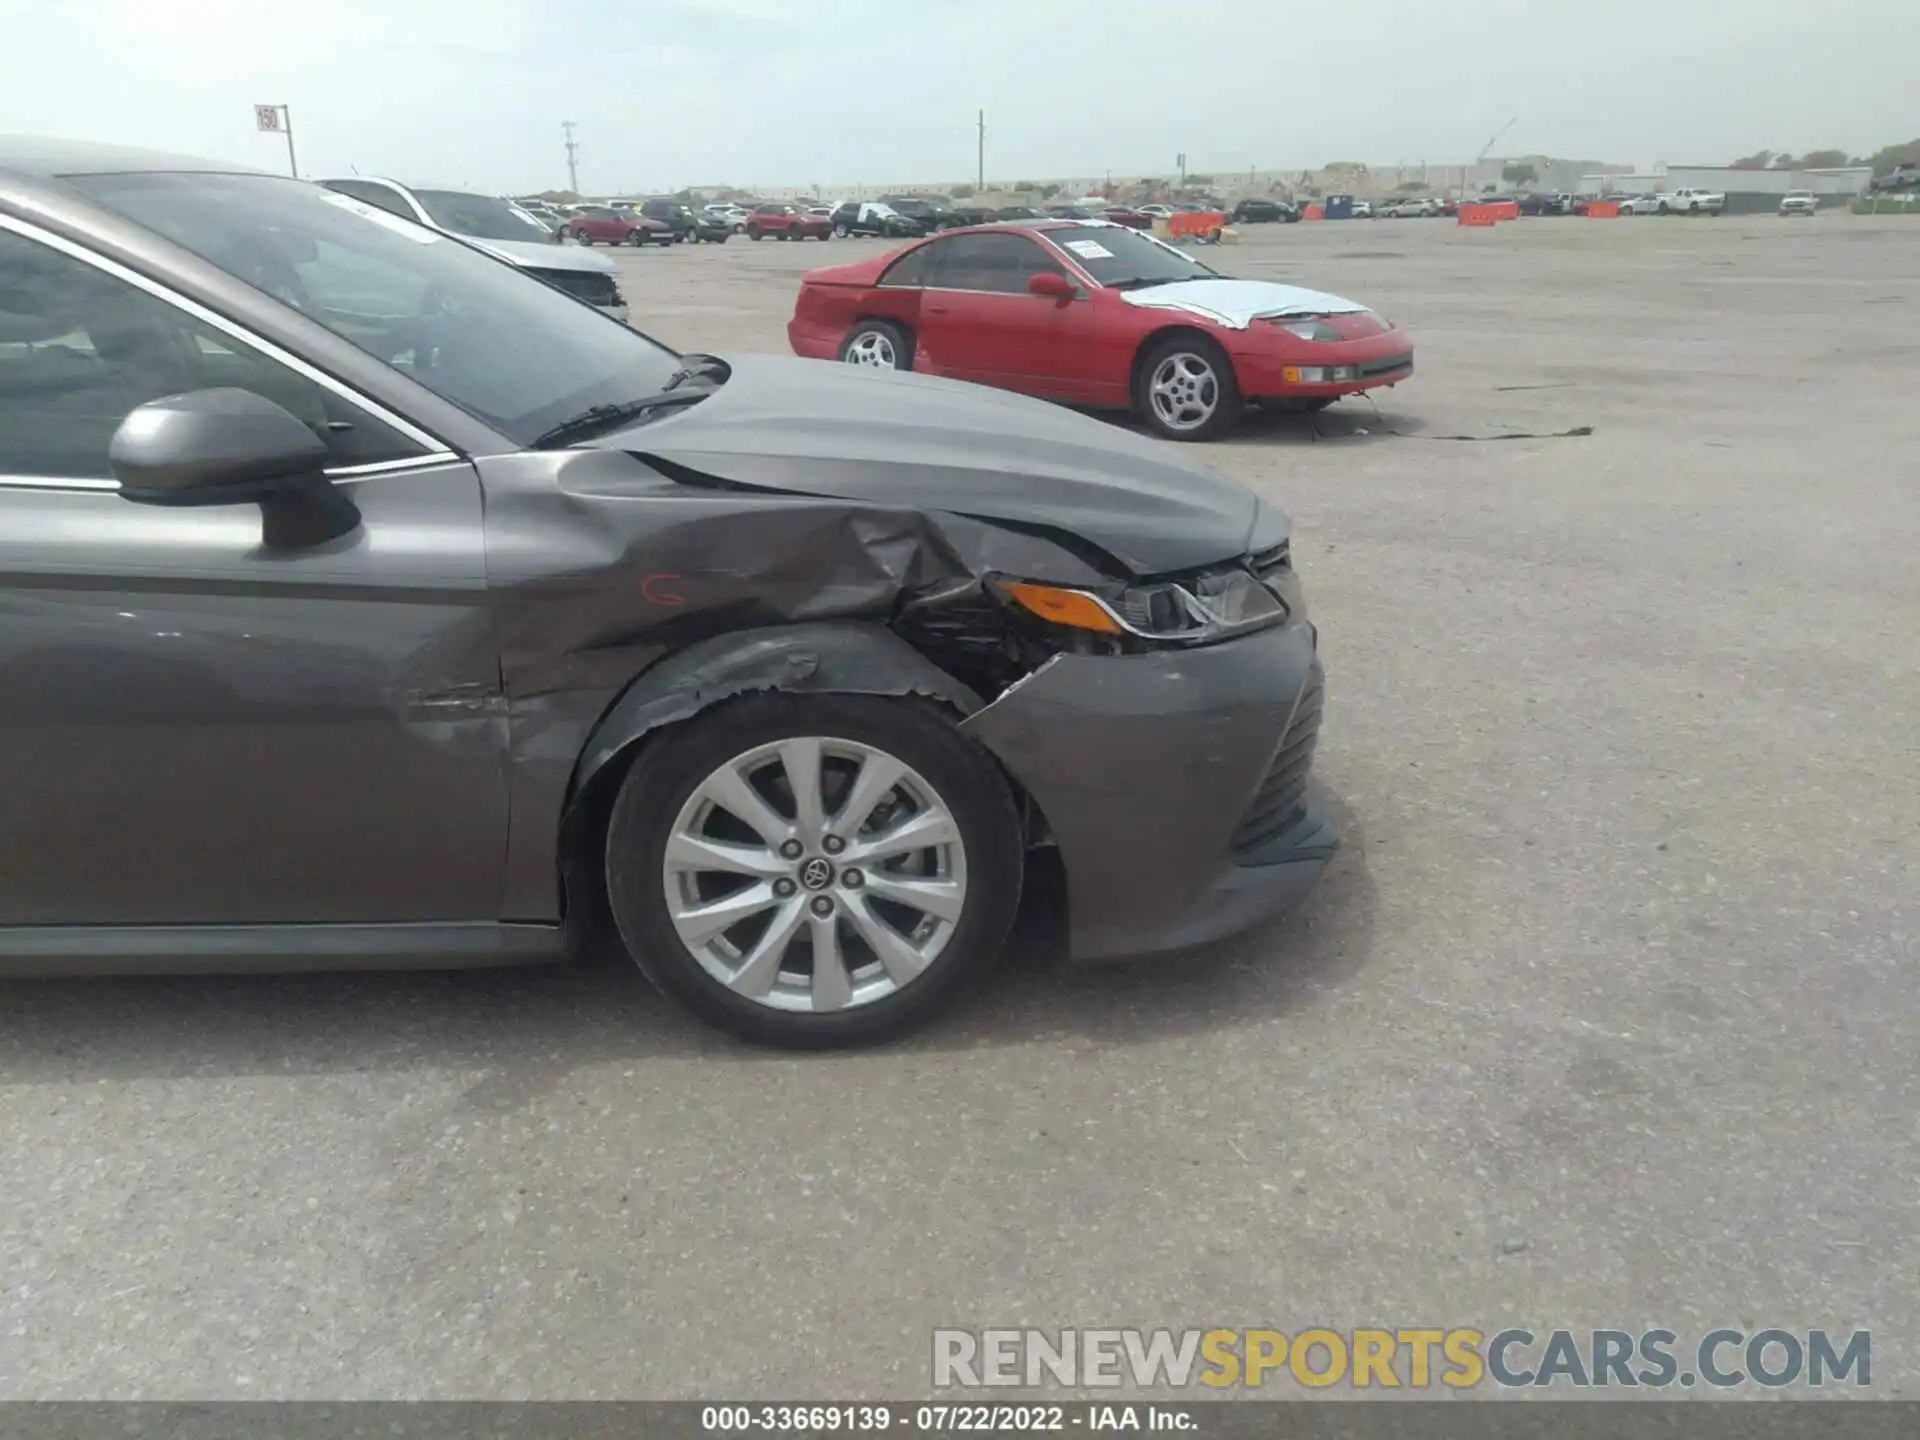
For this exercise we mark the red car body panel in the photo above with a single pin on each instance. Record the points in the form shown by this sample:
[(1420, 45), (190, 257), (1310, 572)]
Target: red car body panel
[(789, 224), (613, 227), (1132, 219), (1080, 351)]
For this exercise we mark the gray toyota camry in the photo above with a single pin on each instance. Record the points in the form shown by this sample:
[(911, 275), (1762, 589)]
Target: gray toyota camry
[(367, 602)]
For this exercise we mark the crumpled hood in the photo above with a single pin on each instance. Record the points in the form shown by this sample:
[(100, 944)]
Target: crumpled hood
[(810, 427), (547, 257), (1238, 303)]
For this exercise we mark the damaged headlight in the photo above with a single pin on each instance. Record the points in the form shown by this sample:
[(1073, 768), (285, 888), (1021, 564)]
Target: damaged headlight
[(1194, 610)]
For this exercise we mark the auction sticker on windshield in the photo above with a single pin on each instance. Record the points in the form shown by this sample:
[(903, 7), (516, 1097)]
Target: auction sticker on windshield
[(1089, 249), (419, 234)]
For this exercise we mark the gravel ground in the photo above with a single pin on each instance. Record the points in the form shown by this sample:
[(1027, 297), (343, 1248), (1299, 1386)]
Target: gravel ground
[(1604, 1016)]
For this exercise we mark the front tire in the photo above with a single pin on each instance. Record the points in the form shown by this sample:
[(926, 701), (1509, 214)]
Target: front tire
[(878, 345), (754, 235), (841, 231), (811, 871), (1185, 389)]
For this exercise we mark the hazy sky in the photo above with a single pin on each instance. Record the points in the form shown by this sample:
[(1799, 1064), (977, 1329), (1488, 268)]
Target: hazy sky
[(793, 92)]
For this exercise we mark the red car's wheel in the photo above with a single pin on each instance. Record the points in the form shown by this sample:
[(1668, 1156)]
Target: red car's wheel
[(753, 234), (1184, 388), (878, 345)]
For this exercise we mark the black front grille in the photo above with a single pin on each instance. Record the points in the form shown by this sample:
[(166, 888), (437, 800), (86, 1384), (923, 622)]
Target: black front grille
[(588, 285), (1279, 802), (1375, 368)]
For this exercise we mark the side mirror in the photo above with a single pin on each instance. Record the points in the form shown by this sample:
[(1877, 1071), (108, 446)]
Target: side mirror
[(232, 447), (1053, 286)]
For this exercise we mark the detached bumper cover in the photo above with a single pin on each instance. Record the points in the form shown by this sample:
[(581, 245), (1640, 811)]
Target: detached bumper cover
[(1158, 775)]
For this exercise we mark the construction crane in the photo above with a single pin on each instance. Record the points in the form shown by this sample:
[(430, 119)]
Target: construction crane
[(1494, 139), (1485, 150)]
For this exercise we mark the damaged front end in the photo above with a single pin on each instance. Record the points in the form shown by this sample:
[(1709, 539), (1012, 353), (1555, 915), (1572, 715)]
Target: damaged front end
[(1136, 714)]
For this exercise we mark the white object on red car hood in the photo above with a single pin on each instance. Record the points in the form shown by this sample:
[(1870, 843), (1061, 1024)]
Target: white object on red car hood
[(1238, 303)]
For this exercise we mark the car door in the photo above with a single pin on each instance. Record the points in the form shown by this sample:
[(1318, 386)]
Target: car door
[(980, 322), (195, 730)]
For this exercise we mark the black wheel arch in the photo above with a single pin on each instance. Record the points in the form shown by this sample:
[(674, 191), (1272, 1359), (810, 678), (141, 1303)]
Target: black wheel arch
[(837, 658), (1154, 339)]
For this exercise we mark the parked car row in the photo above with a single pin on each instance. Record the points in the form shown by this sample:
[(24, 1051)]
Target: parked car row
[(1670, 202)]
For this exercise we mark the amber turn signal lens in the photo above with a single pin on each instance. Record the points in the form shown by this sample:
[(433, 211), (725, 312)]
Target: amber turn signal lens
[(1062, 607)]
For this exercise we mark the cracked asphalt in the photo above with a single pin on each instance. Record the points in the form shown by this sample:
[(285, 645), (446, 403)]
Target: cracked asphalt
[(1606, 1014)]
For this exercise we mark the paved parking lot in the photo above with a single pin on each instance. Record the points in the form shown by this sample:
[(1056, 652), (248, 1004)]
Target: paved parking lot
[(1605, 1015)]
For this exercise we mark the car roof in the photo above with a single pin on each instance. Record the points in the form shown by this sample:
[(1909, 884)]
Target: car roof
[(46, 157), (1043, 223)]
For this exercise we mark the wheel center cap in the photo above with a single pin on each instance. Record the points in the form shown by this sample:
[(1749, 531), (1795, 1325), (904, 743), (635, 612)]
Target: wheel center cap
[(817, 873)]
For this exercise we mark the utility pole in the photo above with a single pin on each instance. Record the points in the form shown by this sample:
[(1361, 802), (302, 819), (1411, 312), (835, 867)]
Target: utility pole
[(980, 165), (573, 154), (1183, 171)]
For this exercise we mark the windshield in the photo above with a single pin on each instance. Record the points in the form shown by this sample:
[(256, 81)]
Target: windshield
[(484, 217), (505, 347), (1123, 259)]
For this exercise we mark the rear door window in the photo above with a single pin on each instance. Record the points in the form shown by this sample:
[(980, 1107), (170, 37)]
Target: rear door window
[(910, 271)]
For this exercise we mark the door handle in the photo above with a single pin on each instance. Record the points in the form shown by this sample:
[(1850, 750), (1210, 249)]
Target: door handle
[(936, 309)]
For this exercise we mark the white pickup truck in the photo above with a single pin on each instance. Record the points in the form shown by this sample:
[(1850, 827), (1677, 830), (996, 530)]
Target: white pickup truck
[(1692, 202)]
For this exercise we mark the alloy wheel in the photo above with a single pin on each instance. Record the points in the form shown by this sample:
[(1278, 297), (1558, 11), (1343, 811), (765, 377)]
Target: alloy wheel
[(815, 874), (873, 348), (1184, 391)]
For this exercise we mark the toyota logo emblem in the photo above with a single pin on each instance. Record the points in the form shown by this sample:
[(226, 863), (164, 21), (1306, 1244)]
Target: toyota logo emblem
[(816, 874)]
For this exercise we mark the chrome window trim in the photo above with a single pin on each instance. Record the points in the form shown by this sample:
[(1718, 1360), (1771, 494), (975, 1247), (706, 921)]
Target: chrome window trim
[(370, 470), (234, 329), (957, 290)]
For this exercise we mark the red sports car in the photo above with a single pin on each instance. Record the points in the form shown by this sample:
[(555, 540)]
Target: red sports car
[(1091, 313), (787, 222), (1129, 217)]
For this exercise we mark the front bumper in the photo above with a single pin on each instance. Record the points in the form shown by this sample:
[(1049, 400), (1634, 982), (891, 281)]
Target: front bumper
[(1175, 785), (1263, 374)]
